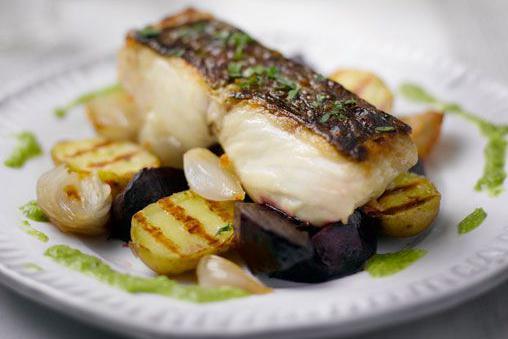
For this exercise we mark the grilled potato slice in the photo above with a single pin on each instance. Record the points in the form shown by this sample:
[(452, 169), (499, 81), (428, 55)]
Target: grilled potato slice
[(171, 235), (367, 86), (426, 129), (407, 207), (115, 162), (114, 115)]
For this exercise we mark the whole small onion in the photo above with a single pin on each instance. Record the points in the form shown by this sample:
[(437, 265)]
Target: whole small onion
[(214, 271), (209, 178), (74, 203)]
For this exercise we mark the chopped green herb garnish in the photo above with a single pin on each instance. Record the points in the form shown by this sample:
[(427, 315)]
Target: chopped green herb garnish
[(149, 32), (221, 35), (319, 77), (27, 147), (239, 40), (32, 211), (235, 69), (249, 71), (272, 72), (224, 229), (385, 129), (494, 173), (382, 265), (320, 98), (62, 111), (293, 93), (28, 229), (339, 107), (472, 221)]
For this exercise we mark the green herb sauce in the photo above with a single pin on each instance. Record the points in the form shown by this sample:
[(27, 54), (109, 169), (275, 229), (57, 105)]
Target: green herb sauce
[(472, 221), (28, 229), (494, 173), (382, 265), (61, 112), (93, 266), (32, 267), (32, 211), (27, 147)]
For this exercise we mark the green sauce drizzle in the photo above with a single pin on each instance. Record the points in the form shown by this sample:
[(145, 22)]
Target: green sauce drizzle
[(28, 229), (382, 265), (32, 267), (61, 112), (27, 147), (93, 266), (32, 211), (494, 173), (472, 221)]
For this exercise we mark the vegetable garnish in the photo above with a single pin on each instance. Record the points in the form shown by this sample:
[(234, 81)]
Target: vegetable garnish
[(28, 229), (32, 211), (32, 267), (385, 129), (62, 111), (382, 265), (149, 32), (338, 110), (223, 229), (494, 173), (161, 285), (239, 40), (472, 221), (27, 147)]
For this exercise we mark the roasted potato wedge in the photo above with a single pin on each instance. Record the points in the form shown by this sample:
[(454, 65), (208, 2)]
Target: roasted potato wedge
[(171, 235), (426, 129), (114, 116), (115, 162), (367, 86), (407, 207)]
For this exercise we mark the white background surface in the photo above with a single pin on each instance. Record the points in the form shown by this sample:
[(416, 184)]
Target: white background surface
[(472, 32)]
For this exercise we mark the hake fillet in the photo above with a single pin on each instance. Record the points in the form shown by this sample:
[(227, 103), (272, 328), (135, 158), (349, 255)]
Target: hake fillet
[(298, 141)]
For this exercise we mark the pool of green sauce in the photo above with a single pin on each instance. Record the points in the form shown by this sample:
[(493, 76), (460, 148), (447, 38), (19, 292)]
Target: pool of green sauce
[(472, 221), (26, 148), (161, 285), (383, 265), (33, 212), (28, 229), (494, 173)]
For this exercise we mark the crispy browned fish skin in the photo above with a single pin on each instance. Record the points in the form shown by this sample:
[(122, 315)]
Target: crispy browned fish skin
[(357, 131)]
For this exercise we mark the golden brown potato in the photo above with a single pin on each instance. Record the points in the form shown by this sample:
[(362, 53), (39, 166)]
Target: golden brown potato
[(171, 235), (115, 162), (114, 116), (367, 86), (426, 130), (408, 206)]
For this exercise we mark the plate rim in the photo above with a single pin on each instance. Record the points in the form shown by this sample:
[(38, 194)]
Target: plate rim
[(54, 299)]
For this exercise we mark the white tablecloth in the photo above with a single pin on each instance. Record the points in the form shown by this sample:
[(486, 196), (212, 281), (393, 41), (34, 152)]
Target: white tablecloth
[(472, 32)]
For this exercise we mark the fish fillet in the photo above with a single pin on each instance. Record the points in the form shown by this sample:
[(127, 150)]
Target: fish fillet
[(298, 141)]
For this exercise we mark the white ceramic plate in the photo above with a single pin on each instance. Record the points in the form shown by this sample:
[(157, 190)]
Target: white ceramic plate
[(456, 267)]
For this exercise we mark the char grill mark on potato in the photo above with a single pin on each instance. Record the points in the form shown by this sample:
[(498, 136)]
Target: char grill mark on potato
[(156, 233), (210, 46), (192, 225)]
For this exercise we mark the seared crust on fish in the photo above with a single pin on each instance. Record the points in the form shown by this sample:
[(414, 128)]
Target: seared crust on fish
[(243, 70)]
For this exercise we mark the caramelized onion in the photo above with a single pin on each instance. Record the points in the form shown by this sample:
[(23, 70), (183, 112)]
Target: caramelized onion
[(208, 178), (214, 271), (74, 203)]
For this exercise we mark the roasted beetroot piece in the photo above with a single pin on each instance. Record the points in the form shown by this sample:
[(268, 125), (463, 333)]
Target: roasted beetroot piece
[(268, 240), (279, 246), (146, 187)]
